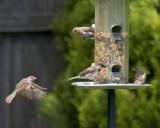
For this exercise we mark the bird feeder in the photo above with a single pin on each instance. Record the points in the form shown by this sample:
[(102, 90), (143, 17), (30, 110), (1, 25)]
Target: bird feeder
[(111, 49), (111, 46)]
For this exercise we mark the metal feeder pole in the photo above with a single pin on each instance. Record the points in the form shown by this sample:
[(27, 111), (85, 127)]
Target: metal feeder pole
[(107, 14), (111, 109)]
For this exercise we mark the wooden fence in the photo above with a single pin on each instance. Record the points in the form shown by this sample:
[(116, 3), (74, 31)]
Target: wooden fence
[(26, 48)]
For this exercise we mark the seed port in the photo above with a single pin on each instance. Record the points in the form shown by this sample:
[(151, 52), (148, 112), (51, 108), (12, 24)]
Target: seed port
[(116, 29), (116, 68)]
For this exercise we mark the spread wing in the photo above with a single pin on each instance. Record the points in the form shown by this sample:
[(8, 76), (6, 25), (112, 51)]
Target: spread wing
[(33, 91), (20, 86)]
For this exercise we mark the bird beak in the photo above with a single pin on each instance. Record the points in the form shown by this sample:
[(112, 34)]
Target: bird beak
[(102, 65)]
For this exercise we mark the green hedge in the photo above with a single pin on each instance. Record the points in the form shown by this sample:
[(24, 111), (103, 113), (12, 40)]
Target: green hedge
[(69, 107)]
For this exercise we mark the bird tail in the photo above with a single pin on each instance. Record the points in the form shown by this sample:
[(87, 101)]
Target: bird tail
[(10, 97), (72, 78)]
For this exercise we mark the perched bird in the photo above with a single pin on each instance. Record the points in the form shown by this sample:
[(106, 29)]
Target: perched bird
[(140, 76), (85, 32), (28, 88), (90, 72)]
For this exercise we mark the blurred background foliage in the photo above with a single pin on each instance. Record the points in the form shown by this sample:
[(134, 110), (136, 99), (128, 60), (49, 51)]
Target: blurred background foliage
[(69, 107)]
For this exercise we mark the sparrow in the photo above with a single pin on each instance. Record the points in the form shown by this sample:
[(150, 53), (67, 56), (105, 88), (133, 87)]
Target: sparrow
[(85, 32), (27, 88), (90, 72), (140, 76)]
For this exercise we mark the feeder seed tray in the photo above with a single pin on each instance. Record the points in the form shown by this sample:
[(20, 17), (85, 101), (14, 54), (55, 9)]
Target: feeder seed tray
[(109, 86)]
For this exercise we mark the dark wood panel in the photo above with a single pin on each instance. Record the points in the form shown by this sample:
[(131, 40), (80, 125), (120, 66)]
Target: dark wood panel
[(28, 15)]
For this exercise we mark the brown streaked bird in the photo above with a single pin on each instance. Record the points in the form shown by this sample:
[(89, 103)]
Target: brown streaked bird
[(27, 88), (90, 72), (140, 76), (85, 32)]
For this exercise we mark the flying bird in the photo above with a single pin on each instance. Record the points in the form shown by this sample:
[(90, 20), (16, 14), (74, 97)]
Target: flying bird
[(85, 32), (27, 88), (140, 76), (90, 72)]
